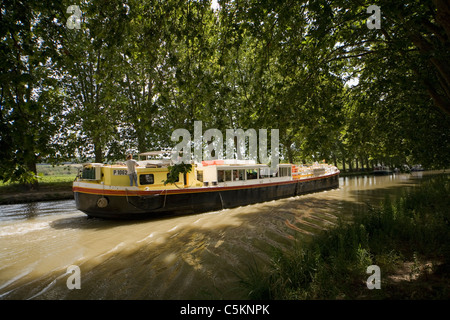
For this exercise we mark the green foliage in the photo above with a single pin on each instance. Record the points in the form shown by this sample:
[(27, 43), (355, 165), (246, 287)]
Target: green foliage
[(176, 170), (137, 70), (30, 101), (334, 264)]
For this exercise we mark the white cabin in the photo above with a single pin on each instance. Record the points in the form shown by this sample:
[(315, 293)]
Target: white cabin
[(239, 172)]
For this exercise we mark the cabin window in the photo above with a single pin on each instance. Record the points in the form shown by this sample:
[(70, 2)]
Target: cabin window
[(227, 175), (220, 176), (200, 176), (238, 175), (252, 174), (90, 173), (223, 175), (146, 179), (264, 173), (284, 172)]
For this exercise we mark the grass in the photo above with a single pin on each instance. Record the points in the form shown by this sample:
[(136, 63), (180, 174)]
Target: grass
[(408, 238), (45, 182), (60, 170), (55, 183)]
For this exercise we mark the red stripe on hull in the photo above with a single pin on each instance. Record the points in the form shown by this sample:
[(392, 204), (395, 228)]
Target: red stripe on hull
[(187, 190)]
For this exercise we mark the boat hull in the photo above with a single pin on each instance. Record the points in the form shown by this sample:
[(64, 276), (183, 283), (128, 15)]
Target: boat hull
[(136, 205)]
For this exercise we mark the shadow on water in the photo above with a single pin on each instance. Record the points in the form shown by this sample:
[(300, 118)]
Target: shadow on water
[(20, 211), (203, 260), (31, 210), (196, 262), (86, 222), (202, 256)]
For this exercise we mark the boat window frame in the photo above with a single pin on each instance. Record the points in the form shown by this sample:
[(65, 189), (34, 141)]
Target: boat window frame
[(222, 177), (284, 171), (230, 175), (255, 170), (141, 175), (199, 175), (240, 174), (267, 174)]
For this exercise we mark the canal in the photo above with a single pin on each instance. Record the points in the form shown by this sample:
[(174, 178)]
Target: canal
[(198, 256)]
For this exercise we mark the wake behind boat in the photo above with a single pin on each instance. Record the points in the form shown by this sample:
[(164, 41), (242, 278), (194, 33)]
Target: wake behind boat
[(102, 190)]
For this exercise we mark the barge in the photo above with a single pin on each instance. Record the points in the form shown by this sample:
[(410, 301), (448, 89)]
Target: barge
[(104, 191)]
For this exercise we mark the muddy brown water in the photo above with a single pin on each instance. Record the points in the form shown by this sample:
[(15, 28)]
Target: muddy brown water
[(199, 256)]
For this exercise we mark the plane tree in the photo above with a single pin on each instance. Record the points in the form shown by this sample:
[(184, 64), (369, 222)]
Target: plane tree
[(30, 97)]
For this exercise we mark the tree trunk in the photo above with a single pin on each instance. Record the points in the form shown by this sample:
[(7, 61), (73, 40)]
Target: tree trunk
[(442, 72), (443, 14), (34, 184), (98, 151), (290, 154)]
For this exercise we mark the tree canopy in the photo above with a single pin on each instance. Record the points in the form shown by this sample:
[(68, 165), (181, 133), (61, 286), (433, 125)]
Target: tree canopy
[(131, 72)]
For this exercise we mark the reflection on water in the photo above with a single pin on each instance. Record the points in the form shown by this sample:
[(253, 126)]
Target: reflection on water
[(184, 257), (31, 209), (34, 210)]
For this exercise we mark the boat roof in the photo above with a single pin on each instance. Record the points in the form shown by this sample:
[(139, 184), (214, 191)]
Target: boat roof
[(153, 153)]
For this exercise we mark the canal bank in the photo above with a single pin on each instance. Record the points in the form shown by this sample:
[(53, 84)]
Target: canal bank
[(45, 192), (54, 183), (404, 242)]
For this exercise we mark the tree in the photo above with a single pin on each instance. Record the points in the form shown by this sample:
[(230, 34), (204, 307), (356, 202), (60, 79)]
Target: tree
[(30, 97), (283, 78), (92, 76), (393, 90), (137, 70)]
